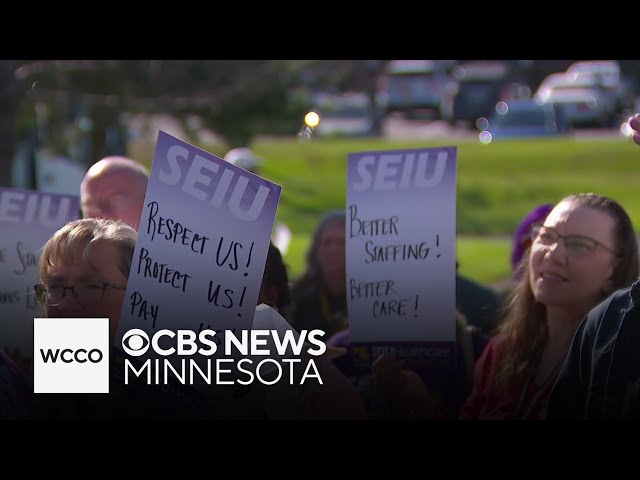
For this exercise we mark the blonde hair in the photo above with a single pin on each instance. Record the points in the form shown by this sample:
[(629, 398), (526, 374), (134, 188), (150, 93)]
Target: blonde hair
[(62, 246)]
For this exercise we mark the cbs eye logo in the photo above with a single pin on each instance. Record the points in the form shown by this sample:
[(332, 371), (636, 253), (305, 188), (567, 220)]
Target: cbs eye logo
[(135, 342)]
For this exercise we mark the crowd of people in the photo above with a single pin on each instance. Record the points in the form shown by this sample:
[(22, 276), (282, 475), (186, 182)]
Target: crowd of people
[(560, 344)]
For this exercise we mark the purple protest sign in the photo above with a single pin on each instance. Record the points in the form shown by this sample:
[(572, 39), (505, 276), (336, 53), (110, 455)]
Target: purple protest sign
[(27, 221), (400, 248), (202, 243)]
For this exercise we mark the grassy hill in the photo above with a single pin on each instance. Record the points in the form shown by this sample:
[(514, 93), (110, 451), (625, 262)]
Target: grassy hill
[(497, 185)]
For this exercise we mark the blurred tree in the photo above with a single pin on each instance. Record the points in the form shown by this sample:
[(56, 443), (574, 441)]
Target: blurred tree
[(367, 73), (8, 106), (237, 99), (80, 102)]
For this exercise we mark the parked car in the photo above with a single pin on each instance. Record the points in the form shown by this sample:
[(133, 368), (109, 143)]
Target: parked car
[(584, 102), (609, 70), (523, 118), (477, 88), (545, 88), (413, 85), (606, 75), (344, 114)]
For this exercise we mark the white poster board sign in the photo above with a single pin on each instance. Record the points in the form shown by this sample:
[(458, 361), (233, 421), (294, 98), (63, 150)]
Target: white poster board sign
[(400, 249)]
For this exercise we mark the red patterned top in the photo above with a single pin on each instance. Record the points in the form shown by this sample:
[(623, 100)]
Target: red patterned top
[(519, 398)]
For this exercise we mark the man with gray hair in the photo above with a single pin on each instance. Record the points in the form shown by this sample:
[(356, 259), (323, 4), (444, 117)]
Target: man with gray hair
[(114, 187)]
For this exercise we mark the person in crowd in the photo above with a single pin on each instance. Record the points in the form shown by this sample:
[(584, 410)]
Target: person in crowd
[(246, 158), (585, 250), (600, 378), (520, 244), (83, 270), (114, 187), (319, 295), (274, 290), (449, 385), (478, 303), (319, 301), (522, 240), (336, 399), (16, 393), (634, 123)]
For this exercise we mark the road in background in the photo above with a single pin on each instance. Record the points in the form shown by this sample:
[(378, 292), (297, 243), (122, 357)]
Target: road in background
[(399, 128), (395, 127)]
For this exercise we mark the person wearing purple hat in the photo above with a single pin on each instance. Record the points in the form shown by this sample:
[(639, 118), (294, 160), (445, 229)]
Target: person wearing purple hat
[(522, 236)]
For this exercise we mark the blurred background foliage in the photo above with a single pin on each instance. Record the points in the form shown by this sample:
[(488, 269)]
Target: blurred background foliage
[(237, 99)]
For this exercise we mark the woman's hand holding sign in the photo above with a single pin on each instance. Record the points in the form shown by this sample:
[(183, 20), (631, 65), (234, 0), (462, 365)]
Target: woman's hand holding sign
[(405, 387)]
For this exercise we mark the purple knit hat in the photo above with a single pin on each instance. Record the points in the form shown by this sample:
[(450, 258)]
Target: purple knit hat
[(523, 232)]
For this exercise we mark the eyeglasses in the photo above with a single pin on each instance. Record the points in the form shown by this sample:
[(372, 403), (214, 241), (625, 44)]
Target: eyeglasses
[(85, 293), (576, 245)]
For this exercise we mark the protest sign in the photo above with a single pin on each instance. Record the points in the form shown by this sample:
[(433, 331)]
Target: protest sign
[(27, 220), (400, 249), (202, 244)]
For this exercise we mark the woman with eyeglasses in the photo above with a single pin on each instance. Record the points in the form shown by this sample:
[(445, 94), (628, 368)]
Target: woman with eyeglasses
[(601, 377), (83, 272), (84, 268), (585, 249)]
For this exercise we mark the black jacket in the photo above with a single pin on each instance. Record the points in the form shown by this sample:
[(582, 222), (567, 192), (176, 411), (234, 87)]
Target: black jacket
[(601, 376)]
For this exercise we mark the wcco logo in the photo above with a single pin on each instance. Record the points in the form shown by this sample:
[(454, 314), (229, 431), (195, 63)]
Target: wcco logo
[(68, 356), (71, 355)]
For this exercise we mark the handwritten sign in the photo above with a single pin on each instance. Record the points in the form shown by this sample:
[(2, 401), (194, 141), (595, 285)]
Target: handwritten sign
[(202, 244), (400, 248), (27, 220)]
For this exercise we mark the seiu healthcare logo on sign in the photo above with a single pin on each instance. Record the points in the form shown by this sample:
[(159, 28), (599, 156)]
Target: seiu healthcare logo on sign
[(71, 355)]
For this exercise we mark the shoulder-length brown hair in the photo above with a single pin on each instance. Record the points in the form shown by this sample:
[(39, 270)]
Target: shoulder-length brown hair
[(310, 283)]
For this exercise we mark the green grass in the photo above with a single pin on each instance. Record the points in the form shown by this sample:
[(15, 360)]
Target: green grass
[(295, 257), (497, 185), (485, 259)]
